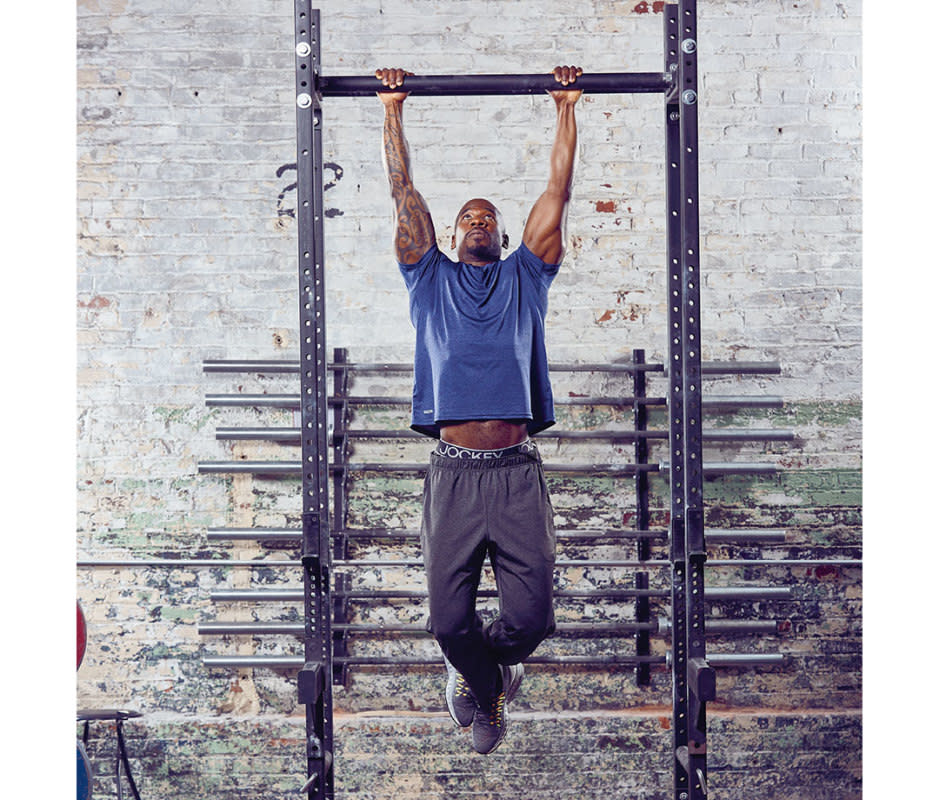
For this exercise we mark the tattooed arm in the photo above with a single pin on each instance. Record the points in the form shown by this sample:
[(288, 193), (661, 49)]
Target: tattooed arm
[(414, 228)]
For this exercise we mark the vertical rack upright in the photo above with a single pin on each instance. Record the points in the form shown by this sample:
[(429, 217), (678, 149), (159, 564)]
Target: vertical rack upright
[(316, 677), (692, 678)]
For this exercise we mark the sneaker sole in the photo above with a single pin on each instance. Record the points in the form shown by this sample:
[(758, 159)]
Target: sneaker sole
[(516, 673)]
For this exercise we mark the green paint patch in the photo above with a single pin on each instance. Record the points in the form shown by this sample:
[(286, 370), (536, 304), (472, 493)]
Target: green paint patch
[(147, 520), (828, 415), (812, 488), (180, 614), (187, 415)]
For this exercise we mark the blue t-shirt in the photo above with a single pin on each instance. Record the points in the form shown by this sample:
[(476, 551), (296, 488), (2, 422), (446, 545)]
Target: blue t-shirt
[(480, 351)]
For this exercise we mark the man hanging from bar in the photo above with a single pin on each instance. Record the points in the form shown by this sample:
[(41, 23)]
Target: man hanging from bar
[(481, 386)]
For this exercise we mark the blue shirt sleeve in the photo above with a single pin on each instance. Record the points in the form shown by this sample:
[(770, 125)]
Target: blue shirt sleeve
[(536, 268), (426, 265)]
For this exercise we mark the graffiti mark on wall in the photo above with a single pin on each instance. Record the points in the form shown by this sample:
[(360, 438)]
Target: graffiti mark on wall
[(290, 190)]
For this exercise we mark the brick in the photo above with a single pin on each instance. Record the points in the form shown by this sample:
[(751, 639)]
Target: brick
[(186, 251)]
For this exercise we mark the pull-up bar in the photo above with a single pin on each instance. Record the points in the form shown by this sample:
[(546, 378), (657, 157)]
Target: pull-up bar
[(449, 85)]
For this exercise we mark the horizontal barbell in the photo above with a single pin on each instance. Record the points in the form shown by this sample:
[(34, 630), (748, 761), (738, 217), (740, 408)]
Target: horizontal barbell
[(619, 534), (221, 563), (292, 435), (292, 662), (293, 366), (711, 535), (716, 593), (292, 401), (563, 628), (294, 468)]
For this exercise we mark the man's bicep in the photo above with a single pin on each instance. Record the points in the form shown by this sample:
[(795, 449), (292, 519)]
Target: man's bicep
[(414, 233), (415, 272), (543, 233), (410, 252)]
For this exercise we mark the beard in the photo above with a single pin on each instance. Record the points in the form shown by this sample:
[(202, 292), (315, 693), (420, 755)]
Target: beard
[(482, 247)]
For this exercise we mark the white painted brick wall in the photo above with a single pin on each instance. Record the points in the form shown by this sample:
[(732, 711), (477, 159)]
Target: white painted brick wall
[(185, 117), (186, 127)]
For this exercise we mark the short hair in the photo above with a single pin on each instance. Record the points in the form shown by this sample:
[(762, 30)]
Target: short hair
[(499, 218)]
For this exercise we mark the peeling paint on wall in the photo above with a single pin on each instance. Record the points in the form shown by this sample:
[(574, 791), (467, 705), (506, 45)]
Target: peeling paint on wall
[(186, 251)]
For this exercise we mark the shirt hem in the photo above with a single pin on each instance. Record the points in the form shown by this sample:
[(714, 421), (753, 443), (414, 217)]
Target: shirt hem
[(433, 431)]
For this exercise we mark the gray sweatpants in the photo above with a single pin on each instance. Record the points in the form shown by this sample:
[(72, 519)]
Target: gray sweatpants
[(497, 507)]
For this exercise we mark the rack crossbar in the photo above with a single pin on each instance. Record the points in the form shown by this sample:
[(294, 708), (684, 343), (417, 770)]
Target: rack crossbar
[(512, 84)]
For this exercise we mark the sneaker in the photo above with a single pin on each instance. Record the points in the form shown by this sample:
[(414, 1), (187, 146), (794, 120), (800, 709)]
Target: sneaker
[(490, 722), (460, 700)]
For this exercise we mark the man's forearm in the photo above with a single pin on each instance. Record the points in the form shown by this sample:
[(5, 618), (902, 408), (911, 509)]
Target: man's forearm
[(397, 158), (414, 230), (544, 233), (563, 152)]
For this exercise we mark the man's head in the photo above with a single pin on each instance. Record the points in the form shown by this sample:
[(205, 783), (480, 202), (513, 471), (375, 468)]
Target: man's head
[(479, 233)]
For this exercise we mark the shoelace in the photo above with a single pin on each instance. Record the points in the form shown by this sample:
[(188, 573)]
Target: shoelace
[(498, 707), (462, 688)]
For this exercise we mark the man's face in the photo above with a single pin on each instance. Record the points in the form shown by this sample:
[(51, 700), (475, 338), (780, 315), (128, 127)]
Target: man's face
[(480, 232)]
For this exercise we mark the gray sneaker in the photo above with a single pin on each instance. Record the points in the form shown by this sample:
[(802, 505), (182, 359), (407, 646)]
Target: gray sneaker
[(490, 721), (460, 700)]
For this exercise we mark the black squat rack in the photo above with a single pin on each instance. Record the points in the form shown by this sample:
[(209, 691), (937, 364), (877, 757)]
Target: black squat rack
[(324, 552), (330, 631)]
